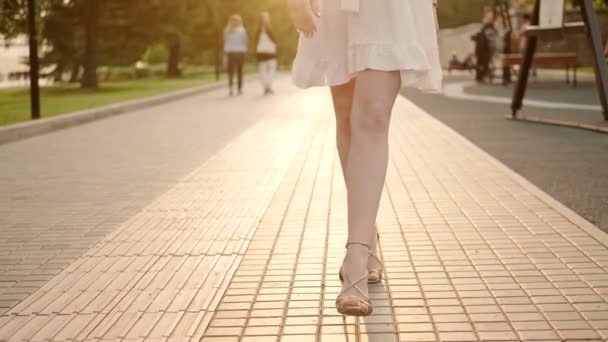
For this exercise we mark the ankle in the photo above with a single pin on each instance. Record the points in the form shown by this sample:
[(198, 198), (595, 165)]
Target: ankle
[(357, 251)]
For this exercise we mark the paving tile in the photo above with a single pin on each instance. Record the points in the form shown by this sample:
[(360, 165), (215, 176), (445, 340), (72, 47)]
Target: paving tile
[(498, 336), (483, 258), (298, 338), (417, 337)]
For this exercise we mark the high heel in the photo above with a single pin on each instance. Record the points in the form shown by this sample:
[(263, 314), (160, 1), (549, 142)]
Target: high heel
[(349, 304), (374, 275)]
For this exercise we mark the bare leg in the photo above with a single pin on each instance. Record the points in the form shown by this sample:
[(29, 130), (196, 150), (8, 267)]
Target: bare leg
[(375, 94), (343, 97)]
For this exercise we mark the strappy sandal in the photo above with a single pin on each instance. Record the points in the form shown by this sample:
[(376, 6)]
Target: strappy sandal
[(374, 275), (353, 305)]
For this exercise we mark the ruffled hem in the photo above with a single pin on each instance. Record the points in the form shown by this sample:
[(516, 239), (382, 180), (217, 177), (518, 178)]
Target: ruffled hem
[(386, 57), (411, 60)]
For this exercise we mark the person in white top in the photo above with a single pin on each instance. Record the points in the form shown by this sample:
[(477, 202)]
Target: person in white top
[(365, 51), (235, 48), (266, 51)]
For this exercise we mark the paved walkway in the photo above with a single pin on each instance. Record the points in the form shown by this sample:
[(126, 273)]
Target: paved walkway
[(247, 245), (569, 164)]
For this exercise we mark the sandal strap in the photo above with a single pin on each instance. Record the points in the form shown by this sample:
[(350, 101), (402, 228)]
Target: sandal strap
[(375, 256), (354, 285), (357, 243)]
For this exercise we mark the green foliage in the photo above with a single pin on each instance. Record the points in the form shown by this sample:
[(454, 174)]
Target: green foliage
[(454, 13), (155, 54), (174, 32), (13, 16)]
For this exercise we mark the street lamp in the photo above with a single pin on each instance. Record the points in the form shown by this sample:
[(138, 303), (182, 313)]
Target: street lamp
[(34, 64)]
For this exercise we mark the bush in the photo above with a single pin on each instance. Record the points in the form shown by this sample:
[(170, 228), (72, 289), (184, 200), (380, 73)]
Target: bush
[(156, 54)]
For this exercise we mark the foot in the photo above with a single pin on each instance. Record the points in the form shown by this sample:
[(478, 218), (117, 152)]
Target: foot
[(240, 92), (374, 264), (353, 299), (230, 92)]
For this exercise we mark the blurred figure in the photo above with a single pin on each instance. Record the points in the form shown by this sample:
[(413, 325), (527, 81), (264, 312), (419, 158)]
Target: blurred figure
[(503, 45), (485, 46), (522, 34), (266, 50), (455, 63), (235, 47), (522, 37)]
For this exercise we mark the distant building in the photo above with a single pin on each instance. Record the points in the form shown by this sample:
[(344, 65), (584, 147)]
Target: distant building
[(13, 58), (14, 69)]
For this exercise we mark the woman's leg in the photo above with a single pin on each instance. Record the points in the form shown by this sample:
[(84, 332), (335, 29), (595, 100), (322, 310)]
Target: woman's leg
[(231, 67), (272, 70), (374, 96), (262, 71), (343, 96), (241, 62)]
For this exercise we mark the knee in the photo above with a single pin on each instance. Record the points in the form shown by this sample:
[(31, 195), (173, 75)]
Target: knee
[(373, 117), (343, 114)]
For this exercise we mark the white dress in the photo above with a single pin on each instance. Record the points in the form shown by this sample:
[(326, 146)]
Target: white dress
[(387, 35)]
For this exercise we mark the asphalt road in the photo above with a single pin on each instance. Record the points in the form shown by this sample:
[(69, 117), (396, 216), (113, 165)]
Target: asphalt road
[(569, 164)]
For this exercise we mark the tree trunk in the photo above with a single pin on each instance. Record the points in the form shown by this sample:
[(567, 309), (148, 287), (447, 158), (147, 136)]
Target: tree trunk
[(75, 73), (58, 72), (174, 48), (218, 54), (89, 77)]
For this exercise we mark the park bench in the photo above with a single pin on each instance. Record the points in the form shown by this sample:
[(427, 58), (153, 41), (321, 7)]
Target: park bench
[(547, 23), (567, 60)]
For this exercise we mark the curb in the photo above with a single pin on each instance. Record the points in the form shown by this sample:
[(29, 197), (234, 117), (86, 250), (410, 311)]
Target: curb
[(569, 124), (30, 129)]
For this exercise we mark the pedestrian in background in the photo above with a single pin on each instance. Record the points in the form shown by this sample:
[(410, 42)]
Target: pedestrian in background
[(522, 33), (485, 46), (266, 50), (235, 48)]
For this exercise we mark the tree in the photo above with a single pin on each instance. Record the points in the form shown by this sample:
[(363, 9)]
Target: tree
[(90, 10), (13, 18), (183, 26), (63, 36)]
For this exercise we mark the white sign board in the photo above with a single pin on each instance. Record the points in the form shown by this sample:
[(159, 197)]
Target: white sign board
[(551, 13)]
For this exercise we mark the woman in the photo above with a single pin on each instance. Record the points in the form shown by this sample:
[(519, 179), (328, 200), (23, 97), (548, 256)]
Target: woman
[(365, 51), (235, 47), (266, 49)]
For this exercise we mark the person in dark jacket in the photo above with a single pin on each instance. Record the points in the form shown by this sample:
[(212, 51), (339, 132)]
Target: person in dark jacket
[(266, 50), (485, 46)]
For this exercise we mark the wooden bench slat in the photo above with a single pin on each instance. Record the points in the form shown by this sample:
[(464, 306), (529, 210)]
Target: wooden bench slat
[(550, 58), (568, 28)]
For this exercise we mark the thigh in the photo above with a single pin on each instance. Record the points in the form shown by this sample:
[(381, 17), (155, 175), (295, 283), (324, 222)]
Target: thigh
[(376, 92), (272, 65), (231, 62), (262, 66), (240, 60), (342, 97)]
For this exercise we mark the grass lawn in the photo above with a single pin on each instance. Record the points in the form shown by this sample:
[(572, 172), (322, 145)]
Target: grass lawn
[(66, 98)]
